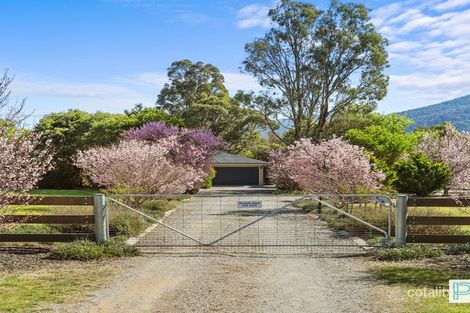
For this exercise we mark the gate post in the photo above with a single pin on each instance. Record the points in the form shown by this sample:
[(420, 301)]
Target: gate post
[(100, 211), (400, 220)]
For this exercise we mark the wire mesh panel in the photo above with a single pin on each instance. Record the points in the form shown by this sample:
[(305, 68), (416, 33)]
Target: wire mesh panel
[(248, 223)]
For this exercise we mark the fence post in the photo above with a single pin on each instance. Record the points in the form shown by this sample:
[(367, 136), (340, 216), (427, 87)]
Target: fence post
[(100, 211), (400, 221)]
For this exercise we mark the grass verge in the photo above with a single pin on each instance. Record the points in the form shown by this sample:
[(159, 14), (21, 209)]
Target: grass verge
[(34, 291), (420, 287), (85, 250), (62, 192)]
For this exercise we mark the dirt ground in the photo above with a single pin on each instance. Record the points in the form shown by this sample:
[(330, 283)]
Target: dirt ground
[(234, 283)]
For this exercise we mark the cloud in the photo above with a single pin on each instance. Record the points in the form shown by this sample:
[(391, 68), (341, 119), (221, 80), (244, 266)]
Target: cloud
[(151, 78), (175, 10), (382, 14), (253, 15), (60, 89), (451, 4), (48, 95), (237, 81), (404, 46), (429, 48)]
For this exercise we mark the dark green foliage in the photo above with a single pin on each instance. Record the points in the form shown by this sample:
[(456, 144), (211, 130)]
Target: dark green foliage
[(196, 93), (419, 175), (85, 250), (76, 130), (411, 252), (354, 117), (456, 111), (457, 249), (386, 138), (191, 83)]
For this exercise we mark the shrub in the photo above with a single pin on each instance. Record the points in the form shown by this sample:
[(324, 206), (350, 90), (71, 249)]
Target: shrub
[(457, 249), (419, 175), (412, 252), (88, 250), (158, 208), (127, 224), (208, 180)]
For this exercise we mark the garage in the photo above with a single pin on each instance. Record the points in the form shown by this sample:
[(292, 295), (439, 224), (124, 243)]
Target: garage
[(237, 170)]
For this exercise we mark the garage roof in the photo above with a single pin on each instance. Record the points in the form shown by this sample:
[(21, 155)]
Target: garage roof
[(228, 158)]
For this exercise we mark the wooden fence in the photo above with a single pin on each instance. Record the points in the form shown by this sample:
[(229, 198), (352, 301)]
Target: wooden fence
[(437, 220), (55, 219)]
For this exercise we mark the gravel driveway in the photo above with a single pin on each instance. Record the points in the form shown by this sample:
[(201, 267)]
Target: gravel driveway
[(227, 283), (233, 282)]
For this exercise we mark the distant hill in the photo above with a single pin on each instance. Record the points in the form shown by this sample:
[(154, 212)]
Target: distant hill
[(456, 111)]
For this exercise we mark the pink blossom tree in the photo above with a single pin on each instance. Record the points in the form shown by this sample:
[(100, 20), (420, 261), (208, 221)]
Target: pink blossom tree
[(22, 164), (332, 166), (138, 166), (194, 147), (22, 161), (453, 149), (278, 170)]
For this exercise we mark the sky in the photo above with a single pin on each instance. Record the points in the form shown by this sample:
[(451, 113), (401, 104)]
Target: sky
[(108, 55)]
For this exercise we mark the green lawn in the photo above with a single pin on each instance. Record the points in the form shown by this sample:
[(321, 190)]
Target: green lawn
[(418, 280), (29, 292), (62, 192)]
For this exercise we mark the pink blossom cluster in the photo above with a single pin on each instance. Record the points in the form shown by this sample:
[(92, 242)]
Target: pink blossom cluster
[(332, 166), (453, 149), (278, 171), (139, 166), (154, 158), (22, 164), (193, 147)]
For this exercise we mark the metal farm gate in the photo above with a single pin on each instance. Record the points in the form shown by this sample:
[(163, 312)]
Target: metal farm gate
[(261, 223)]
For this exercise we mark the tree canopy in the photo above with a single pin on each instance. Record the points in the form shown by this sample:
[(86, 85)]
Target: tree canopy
[(196, 93), (314, 64), (76, 130)]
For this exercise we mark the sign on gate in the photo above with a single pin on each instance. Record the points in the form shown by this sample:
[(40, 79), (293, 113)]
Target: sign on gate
[(250, 204)]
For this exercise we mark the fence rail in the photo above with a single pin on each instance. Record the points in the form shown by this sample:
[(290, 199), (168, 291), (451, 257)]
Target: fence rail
[(438, 220), (48, 219), (438, 202), (98, 219), (438, 238), (403, 220), (64, 237)]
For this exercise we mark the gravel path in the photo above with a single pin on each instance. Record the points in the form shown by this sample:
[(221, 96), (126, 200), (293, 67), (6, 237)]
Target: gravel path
[(224, 282)]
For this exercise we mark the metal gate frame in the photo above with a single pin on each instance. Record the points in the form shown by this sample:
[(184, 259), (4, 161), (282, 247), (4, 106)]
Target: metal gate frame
[(320, 198)]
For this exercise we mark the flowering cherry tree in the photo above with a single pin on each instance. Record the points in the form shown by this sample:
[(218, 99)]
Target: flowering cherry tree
[(22, 162), (193, 147), (453, 149), (278, 171), (332, 166), (138, 166)]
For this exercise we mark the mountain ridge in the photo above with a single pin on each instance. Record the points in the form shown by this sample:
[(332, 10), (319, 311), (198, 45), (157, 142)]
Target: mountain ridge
[(455, 111)]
